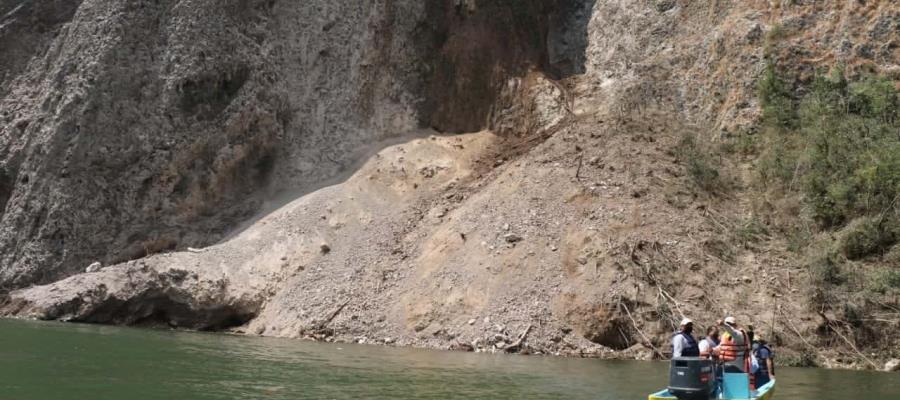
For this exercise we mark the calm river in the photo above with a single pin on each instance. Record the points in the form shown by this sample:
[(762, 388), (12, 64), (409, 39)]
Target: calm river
[(47, 361)]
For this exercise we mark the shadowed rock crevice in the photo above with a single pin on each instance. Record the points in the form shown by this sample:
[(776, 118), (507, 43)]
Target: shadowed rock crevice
[(6, 188), (481, 45), (209, 95), (157, 309)]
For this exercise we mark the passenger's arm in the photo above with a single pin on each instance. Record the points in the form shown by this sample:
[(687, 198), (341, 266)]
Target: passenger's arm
[(677, 346), (771, 365)]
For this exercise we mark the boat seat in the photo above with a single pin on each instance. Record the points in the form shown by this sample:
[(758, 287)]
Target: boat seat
[(736, 386), (733, 368)]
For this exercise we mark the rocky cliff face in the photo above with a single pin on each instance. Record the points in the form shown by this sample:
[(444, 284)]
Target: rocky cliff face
[(572, 227), (132, 128), (135, 127)]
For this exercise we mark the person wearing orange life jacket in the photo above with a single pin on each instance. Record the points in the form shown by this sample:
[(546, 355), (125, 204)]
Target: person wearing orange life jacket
[(734, 349)]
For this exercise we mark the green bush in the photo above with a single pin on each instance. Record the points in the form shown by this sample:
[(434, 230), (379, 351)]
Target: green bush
[(749, 231), (779, 161), (840, 142), (703, 174), (798, 239), (775, 96), (867, 236), (826, 269), (852, 138), (885, 280), (700, 165)]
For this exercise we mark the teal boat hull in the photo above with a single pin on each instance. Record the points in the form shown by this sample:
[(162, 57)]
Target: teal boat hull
[(766, 392)]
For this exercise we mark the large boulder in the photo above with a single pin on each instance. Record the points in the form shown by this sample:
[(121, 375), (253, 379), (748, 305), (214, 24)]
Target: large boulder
[(892, 365)]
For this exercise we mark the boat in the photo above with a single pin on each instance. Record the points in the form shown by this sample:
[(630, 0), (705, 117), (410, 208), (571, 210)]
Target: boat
[(695, 378), (766, 392)]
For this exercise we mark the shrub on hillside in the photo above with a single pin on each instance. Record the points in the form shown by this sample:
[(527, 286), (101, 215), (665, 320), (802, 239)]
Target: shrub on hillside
[(839, 144), (749, 231), (853, 142), (867, 236), (805, 358), (776, 99), (885, 280), (700, 166), (826, 269), (833, 145)]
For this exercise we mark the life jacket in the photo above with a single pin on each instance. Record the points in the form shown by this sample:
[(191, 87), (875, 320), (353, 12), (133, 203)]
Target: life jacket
[(729, 350), (691, 350), (763, 365)]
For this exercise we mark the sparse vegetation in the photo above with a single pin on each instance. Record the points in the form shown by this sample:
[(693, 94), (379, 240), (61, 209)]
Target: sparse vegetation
[(700, 165), (825, 268), (885, 281), (867, 236), (749, 231), (839, 144), (832, 145), (773, 36), (802, 359), (777, 102)]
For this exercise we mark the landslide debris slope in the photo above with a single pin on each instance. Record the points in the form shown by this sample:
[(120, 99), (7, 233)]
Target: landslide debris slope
[(616, 189)]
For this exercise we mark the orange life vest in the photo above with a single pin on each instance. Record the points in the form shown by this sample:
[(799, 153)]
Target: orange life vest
[(729, 350)]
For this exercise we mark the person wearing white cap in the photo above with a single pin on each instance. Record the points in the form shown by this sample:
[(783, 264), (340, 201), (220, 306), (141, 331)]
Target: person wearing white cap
[(683, 344), (734, 347)]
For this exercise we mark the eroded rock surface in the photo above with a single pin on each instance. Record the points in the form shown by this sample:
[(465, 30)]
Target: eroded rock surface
[(132, 128), (149, 126)]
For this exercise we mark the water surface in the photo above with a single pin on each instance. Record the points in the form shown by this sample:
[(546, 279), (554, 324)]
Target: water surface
[(47, 361)]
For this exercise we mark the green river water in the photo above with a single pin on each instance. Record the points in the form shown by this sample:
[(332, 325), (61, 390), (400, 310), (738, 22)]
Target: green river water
[(45, 361)]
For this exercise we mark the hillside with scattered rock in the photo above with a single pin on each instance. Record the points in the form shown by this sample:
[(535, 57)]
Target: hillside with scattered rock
[(567, 177)]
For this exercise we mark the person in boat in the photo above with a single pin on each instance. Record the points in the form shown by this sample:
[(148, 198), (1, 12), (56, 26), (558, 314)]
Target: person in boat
[(734, 349), (683, 344), (710, 342), (763, 354)]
